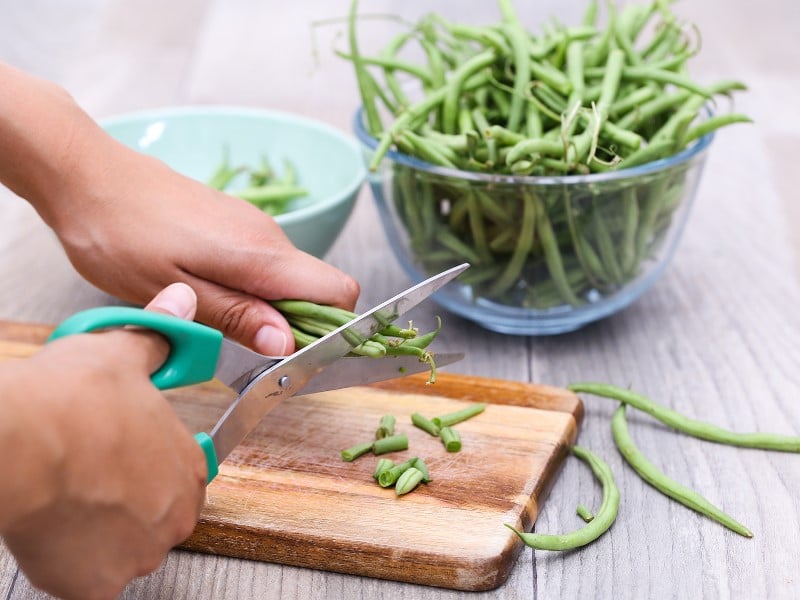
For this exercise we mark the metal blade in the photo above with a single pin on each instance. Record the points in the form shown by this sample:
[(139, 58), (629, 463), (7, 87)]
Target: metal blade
[(289, 376), (237, 366), (360, 370)]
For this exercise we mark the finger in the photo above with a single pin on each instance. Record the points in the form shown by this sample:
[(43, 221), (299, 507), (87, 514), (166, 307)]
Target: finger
[(177, 299), (265, 264), (249, 320)]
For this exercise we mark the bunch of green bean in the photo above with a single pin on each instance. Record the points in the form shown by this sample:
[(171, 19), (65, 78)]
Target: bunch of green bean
[(310, 321), (598, 524), (500, 100), (405, 476), (699, 429), (264, 188)]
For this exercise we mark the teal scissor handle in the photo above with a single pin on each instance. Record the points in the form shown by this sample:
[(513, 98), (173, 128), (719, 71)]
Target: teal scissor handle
[(194, 351)]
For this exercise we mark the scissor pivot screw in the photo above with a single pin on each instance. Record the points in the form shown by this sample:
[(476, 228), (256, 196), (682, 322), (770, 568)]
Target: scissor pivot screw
[(284, 382)]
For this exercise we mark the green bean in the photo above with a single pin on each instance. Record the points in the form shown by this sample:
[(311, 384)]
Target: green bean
[(575, 73), (477, 228), (385, 427), (392, 83), (647, 73), (408, 480), (266, 194), (553, 257), (698, 429), (522, 62), (393, 443), (350, 454), (590, 16), (420, 465), (224, 173), (484, 35), (454, 88), (533, 121), (435, 62), (551, 76), (667, 486), (425, 424), (422, 107), (712, 124), (649, 153), (630, 208), (367, 92), (606, 246), (460, 415), (523, 248), (602, 522), (301, 338), (383, 464), (429, 149), (528, 147), (631, 101), (389, 477), (423, 341), (450, 439)]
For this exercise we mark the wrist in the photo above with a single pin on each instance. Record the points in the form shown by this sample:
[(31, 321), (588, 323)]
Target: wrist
[(48, 140), (33, 448)]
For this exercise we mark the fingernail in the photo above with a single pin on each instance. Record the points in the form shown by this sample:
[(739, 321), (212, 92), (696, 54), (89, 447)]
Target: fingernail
[(177, 299), (272, 341)]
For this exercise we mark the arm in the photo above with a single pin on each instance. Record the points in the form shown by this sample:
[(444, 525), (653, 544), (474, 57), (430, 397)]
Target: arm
[(101, 479), (130, 225)]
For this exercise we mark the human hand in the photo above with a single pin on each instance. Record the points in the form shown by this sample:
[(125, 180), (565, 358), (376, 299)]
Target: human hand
[(130, 225), (125, 480)]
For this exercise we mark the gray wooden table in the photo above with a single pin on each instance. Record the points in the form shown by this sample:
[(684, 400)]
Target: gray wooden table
[(718, 337)]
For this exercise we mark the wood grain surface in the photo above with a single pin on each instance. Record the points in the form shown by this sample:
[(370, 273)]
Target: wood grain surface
[(717, 337), (285, 495)]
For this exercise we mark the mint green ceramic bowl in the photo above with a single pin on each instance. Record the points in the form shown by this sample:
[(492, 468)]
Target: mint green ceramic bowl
[(192, 140)]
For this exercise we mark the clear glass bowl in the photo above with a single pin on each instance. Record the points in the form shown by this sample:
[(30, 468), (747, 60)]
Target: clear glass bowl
[(548, 254)]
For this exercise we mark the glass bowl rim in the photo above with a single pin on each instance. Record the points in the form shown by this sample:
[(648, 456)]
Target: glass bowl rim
[(661, 164)]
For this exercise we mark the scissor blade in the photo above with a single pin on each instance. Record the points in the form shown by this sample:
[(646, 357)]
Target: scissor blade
[(291, 375), (237, 366), (361, 370)]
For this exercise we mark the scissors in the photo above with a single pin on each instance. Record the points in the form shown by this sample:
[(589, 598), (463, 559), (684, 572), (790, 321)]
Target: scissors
[(199, 353)]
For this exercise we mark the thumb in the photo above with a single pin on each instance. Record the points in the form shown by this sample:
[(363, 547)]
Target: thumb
[(177, 299)]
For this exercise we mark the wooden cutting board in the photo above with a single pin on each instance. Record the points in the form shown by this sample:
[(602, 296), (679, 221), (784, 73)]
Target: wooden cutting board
[(285, 495)]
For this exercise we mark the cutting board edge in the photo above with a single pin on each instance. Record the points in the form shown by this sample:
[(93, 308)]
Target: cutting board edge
[(476, 575)]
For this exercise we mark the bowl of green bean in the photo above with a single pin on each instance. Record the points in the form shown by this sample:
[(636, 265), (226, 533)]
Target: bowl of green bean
[(303, 172), (562, 165), (548, 254)]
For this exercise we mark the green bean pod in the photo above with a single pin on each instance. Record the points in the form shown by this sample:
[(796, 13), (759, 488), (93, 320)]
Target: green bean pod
[(602, 521), (698, 429), (664, 484)]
